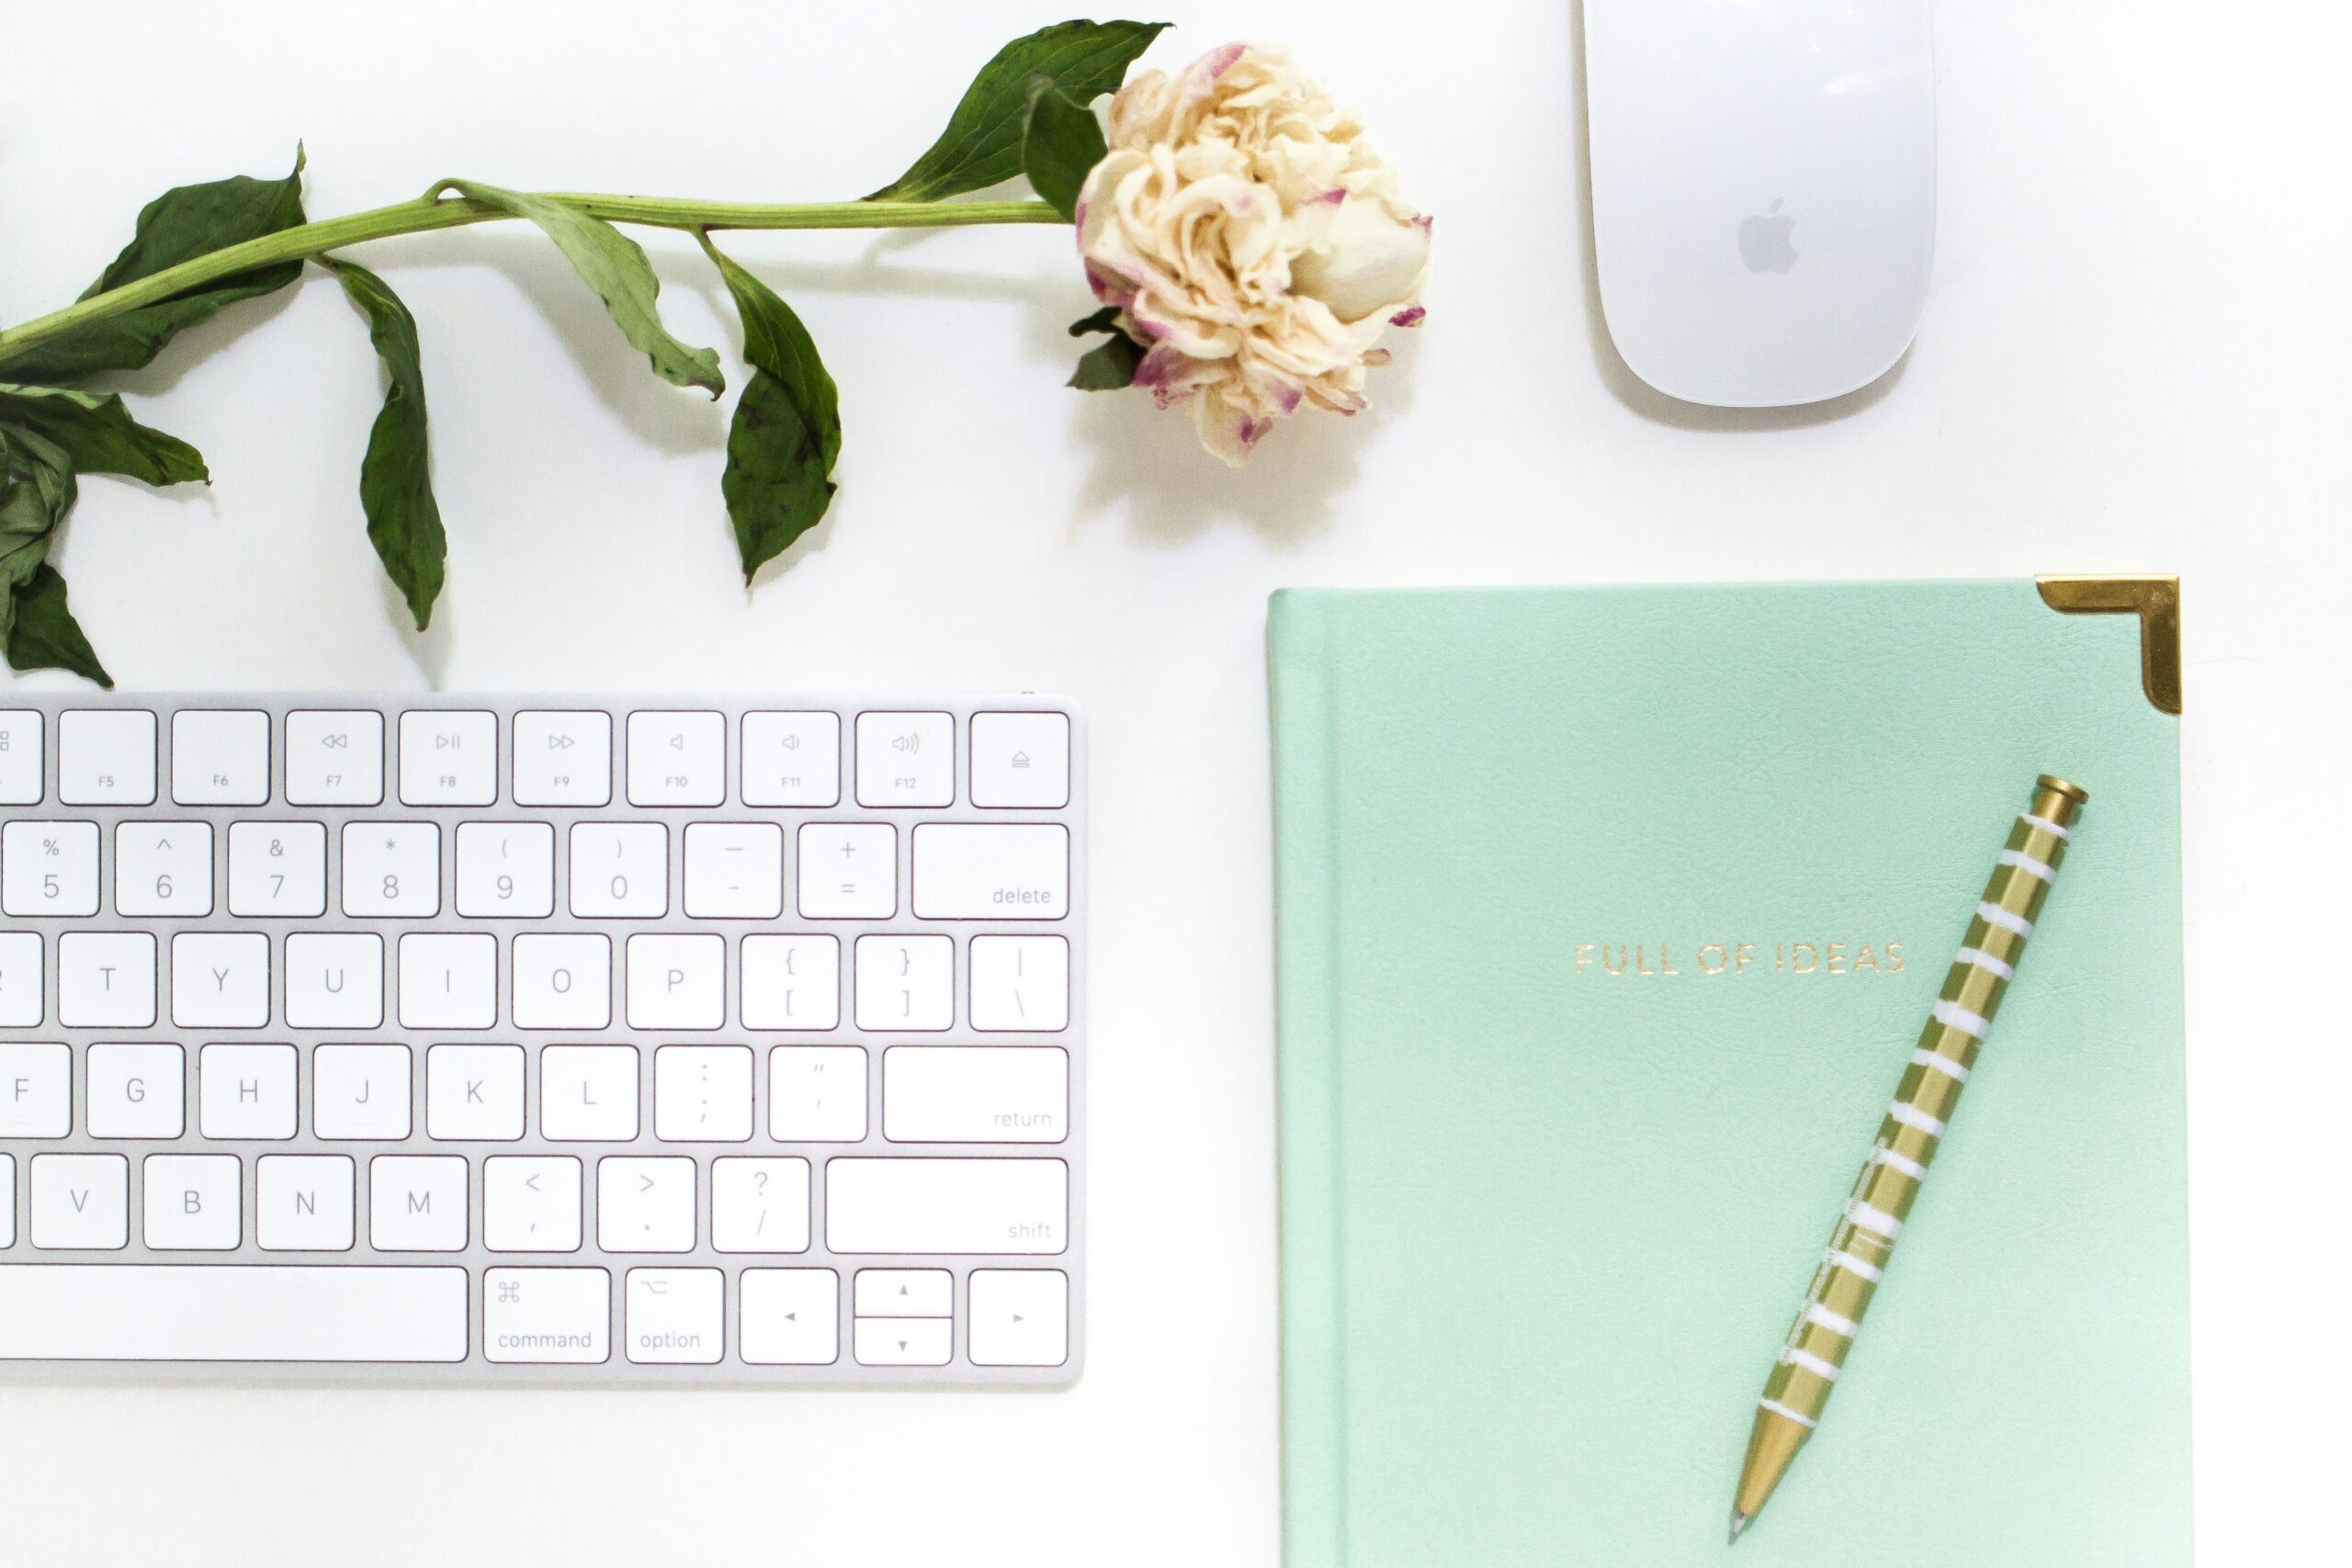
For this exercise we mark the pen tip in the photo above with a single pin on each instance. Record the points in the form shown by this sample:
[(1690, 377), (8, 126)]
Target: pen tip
[(1738, 1522)]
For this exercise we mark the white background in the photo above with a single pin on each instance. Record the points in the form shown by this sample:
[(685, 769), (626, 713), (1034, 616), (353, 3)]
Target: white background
[(2132, 360)]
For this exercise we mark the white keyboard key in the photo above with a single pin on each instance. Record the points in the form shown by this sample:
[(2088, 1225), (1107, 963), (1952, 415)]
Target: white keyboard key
[(817, 1094), (278, 870), (245, 1092), (620, 870), (163, 868), (790, 1317), (105, 979), (547, 1314), (391, 870), (361, 1092), (417, 1204), (791, 982), (563, 758), (904, 1292), (563, 982), (7, 1200), (588, 1094), (791, 759), (136, 1091), (904, 1341), (220, 758), (36, 1090), (80, 1202), (231, 1313), (645, 1205), (303, 1202), (474, 1093), (448, 759), (23, 1000), (677, 982), (1020, 760), (505, 870), (676, 1315), (990, 871), (678, 759), (946, 1205), (974, 1094), (448, 982), (22, 778), (192, 1202), (906, 983), (49, 868), (906, 759), (1019, 1317), (759, 1204), (334, 981), (734, 871), (531, 1204), (106, 757), (849, 871), (334, 759), (702, 1094), (1020, 984)]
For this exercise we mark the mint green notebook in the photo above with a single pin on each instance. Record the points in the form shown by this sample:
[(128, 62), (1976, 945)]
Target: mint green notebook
[(1607, 920)]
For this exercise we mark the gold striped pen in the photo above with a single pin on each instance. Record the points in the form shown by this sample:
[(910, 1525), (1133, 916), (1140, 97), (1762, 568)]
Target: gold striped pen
[(1815, 1348)]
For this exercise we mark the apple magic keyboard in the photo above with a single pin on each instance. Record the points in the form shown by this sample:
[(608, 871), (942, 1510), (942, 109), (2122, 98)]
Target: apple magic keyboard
[(542, 1038)]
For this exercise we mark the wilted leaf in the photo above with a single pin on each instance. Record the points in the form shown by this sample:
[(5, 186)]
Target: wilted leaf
[(1110, 365), (787, 433), (37, 490), (982, 142), (43, 634), (396, 476), (98, 435), (183, 223), (1062, 143), (613, 265)]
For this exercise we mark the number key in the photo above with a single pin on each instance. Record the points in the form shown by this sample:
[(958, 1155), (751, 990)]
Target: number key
[(505, 870), (620, 870), (391, 868), (278, 868), (163, 868), (49, 868)]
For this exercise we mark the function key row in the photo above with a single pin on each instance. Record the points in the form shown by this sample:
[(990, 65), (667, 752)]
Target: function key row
[(681, 757)]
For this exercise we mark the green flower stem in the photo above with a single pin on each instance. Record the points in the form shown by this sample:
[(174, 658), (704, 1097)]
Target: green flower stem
[(433, 211)]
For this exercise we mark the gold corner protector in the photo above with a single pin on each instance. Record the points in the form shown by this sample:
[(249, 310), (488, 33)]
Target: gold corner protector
[(2156, 599)]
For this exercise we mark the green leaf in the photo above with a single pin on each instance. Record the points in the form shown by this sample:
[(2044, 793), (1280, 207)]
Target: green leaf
[(981, 145), (98, 435), (613, 265), (396, 476), (1062, 143), (37, 490), (183, 223), (786, 433), (43, 634), (1109, 366)]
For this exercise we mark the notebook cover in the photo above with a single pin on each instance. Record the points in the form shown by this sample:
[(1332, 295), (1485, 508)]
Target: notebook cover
[(1559, 1153)]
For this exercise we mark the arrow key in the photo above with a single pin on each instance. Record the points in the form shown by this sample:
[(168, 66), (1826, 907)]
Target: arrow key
[(905, 1292), (905, 1341), (1020, 1317), (791, 1317)]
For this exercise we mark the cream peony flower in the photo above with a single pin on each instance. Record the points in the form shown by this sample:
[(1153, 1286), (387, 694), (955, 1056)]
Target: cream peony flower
[(1251, 241)]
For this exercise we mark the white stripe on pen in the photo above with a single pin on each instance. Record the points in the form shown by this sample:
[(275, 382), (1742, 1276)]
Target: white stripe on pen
[(1983, 961), (1994, 914), (2047, 826), (1954, 1015), (2039, 870), (1855, 1266), (1825, 1370), (1894, 1160), (1937, 1062), (1918, 1121), (1777, 1408), (1845, 1326), (1877, 1221)]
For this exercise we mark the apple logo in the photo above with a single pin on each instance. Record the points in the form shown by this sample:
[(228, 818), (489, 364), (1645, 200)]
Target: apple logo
[(1764, 240)]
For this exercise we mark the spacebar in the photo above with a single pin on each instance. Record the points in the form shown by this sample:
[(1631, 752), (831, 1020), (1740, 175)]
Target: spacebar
[(137, 1312)]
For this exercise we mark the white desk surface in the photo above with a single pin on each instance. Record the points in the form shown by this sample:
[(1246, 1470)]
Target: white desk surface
[(2133, 360)]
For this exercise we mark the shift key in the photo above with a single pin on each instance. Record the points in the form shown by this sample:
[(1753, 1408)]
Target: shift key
[(972, 870), (915, 1206)]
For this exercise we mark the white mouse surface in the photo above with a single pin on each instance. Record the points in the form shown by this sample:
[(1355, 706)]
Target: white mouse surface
[(1763, 190)]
